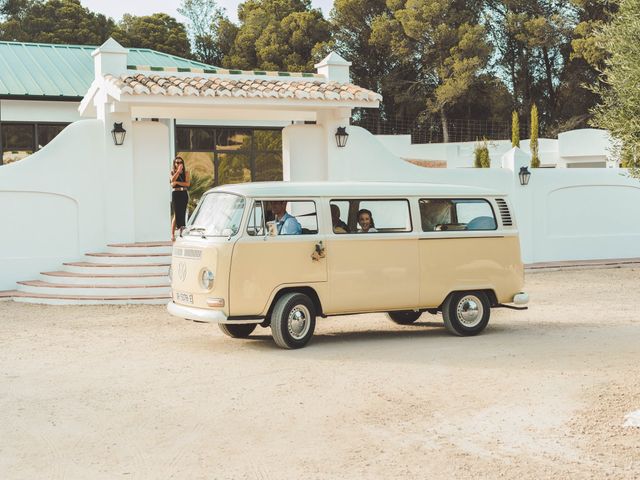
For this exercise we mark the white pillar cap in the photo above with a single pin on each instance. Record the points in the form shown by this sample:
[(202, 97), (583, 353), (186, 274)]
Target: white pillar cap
[(110, 58), (334, 68)]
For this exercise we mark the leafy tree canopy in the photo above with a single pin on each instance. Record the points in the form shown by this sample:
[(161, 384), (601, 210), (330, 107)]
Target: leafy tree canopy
[(278, 35), (619, 111), (158, 31), (210, 31), (53, 21)]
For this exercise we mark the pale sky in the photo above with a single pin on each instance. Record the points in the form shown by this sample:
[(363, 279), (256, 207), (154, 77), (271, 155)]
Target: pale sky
[(116, 8)]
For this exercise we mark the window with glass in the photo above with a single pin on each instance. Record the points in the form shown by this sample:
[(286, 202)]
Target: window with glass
[(283, 217), (223, 155), (438, 214), (19, 139), (370, 216)]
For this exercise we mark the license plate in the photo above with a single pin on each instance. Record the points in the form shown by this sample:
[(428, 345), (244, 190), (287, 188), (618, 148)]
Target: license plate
[(184, 297)]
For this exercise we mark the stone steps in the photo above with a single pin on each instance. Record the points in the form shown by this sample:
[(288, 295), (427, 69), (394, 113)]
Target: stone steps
[(134, 273)]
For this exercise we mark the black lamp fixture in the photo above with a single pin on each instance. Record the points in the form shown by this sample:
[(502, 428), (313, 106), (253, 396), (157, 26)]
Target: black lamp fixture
[(341, 136), (118, 133), (524, 175)]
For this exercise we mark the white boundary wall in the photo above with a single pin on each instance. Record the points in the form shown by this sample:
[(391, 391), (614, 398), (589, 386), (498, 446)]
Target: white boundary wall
[(77, 194), (576, 148), (563, 214)]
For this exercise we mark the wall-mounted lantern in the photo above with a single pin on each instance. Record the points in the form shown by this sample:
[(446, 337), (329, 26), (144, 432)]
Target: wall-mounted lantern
[(524, 175), (341, 136), (118, 133)]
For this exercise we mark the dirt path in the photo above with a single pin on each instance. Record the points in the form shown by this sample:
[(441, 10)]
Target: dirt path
[(131, 392)]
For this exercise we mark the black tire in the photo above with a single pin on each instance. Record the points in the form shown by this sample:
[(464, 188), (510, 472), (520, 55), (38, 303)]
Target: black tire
[(238, 330), (404, 317), (458, 313), (293, 320)]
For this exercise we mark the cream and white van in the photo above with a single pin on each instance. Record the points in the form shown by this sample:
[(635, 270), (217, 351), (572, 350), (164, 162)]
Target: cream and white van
[(240, 262)]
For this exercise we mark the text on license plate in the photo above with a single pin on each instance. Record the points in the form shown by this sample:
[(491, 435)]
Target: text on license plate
[(183, 297)]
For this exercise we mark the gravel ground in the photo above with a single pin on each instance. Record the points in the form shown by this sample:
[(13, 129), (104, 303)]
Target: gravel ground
[(131, 392)]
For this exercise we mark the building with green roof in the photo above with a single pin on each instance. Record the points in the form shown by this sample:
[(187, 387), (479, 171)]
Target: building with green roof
[(64, 72), (41, 86)]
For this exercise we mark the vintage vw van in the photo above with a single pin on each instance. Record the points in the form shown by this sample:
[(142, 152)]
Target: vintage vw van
[(282, 254)]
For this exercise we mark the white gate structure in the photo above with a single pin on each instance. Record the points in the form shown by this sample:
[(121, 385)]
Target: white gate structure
[(82, 192)]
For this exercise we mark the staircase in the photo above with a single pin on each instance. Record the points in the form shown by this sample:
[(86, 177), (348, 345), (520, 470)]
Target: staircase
[(132, 273)]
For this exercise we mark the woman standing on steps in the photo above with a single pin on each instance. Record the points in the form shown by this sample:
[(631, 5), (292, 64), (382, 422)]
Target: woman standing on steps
[(180, 181)]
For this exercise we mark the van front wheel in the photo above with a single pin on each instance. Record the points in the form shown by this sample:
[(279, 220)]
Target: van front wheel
[(466, 313), (240, 330), (404, 317), (293, 320)]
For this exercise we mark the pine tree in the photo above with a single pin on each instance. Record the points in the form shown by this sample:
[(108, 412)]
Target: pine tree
[(533, 141), (515, 130)]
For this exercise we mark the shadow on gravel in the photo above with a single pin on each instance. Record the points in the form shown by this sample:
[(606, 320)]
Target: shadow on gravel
[(346, 341)]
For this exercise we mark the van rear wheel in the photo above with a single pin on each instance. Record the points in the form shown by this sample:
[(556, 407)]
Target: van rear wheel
[(466, 313), (240, 330), (293, 320), (404, 317)]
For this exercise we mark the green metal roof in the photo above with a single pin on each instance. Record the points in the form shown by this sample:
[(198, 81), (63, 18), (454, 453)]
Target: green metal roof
[(64, 71)]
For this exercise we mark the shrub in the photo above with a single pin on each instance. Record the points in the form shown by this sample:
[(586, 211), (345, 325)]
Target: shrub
[(481, 155)]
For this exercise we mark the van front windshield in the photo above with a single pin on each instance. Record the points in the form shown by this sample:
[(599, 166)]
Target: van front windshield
[(217, 215)]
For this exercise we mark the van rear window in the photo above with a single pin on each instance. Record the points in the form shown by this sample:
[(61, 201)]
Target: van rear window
[(370, 216), (441, 215)]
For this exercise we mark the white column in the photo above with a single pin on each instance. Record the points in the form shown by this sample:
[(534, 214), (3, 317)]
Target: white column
[(522, 200), (338, 158), (117, 166)]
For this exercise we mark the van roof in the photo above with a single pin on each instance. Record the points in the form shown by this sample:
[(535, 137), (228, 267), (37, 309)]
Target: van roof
[(351, 189)]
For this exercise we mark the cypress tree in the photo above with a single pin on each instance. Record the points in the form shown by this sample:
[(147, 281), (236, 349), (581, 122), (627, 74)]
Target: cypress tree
[(533, 142), (481, 155), (515, 130)]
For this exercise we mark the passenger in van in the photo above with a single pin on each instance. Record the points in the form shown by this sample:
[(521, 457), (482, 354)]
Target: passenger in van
[(365, 220), (338, 225), (285, 224)]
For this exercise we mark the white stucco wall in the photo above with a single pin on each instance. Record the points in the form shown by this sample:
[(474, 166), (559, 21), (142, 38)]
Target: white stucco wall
[(563, 214), (52, 204), (81, 192), (586, 146), (152, 196), (576, 214), (38, 111), (304, 153)]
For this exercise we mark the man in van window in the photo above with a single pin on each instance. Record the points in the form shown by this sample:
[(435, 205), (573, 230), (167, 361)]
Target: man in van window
[(285, 224)]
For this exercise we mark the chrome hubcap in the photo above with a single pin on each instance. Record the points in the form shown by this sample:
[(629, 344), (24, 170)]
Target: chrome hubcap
[(298, 322), (470, 311)]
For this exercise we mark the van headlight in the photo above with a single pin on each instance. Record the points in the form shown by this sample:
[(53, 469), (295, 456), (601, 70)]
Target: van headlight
[(206, 279)]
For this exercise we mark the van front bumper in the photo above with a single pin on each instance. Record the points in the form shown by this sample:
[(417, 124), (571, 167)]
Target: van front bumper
[(197, 314), (203, 314)]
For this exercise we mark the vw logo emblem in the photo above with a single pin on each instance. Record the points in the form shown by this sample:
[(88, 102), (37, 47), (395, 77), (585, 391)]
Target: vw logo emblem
[(182, 271)]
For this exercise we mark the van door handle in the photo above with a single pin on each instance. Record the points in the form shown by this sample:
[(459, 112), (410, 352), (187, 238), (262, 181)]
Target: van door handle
[(318, 252)]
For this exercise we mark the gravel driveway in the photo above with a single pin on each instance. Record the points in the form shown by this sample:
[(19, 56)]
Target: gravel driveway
[(131, 392)]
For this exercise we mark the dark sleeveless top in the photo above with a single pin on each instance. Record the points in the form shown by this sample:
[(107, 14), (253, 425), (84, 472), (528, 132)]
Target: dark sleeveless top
[(181, 178)]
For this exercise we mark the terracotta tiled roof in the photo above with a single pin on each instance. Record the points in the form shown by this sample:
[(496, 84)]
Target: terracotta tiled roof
[(213, 86)]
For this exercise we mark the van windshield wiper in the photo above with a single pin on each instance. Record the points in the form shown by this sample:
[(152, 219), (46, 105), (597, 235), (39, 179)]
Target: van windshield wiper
[(194, 228)]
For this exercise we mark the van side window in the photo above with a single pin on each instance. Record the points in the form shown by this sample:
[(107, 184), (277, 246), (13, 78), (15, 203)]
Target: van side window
[(437, 214), (304, 221), (370, 216)]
